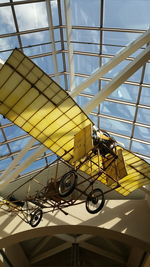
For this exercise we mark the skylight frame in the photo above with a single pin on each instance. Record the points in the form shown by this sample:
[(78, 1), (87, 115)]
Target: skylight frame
[(101, 29)]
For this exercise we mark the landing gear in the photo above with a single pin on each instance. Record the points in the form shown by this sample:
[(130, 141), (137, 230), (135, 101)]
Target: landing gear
[(67, 183), (95, 201), (36, 217)]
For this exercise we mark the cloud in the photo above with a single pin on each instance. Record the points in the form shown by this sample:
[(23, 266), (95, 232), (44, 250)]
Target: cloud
[(19, 144), (6, 20), (31, 16)]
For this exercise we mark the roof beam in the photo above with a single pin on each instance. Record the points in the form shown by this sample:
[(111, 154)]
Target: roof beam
[(17, 159), (22, 166), (17, 256), (135, 257), (82, 238), (126, 52), (118, 80), (70, 45), (102, 252), (66, 237), (51, 252), (52, 38), (146, 262), (41, 244)]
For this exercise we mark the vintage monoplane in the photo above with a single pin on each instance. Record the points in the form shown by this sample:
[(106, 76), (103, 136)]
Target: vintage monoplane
[(37, 104)]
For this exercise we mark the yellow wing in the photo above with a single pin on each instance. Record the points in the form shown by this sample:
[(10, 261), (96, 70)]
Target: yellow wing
[(138, 173), (34, 102)]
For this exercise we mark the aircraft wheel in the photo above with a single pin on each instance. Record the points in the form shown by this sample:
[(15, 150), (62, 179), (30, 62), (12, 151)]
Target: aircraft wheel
[(67, 183), (36, 217), (95, 201)]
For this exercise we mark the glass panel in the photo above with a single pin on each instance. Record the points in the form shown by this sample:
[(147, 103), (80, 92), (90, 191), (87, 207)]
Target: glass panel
[(51, 158), (60, 62), (58, 46), (147, 74), (35, 50), (54, 12), (4, 120), (4, 150), (28, 154), (119, 38), (91, 36), (62, 81), (142, 133), (113, 50), (86, 47), (31, 16), (148, 160), (120, 67), (82, 101), (35, 165), (56, 34), (110, 50), (45, 63), (4, 55), (13, 131), (141, 148), (8, 43), (143, 115), (145, 96), (92, 89), (116, 126), (124, 142), (94, 119), (117, 110), (48, 151), (62, 11), (92, 64), (66, 61), (85, 13), (35, 38), (125, 92), (127, 15), (6, 20), (4, 163), (136, 77), (19, 144), (1, 136)]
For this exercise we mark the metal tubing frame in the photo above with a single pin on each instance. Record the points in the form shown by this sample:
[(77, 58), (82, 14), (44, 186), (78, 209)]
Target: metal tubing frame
[(69, 44), (52, 38)]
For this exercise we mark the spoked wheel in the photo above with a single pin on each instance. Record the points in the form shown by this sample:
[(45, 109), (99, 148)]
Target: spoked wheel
[(95, 201), (36, 217), (67, 183)]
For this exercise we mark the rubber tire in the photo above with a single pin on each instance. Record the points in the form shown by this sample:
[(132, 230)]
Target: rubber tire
[(33, 216), (72, 187), (89, 200)]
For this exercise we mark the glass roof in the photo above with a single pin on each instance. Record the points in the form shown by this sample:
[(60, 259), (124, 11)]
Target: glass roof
[(98, 31)]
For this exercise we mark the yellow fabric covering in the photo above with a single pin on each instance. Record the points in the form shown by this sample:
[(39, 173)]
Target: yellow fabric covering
[(38, 105)]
